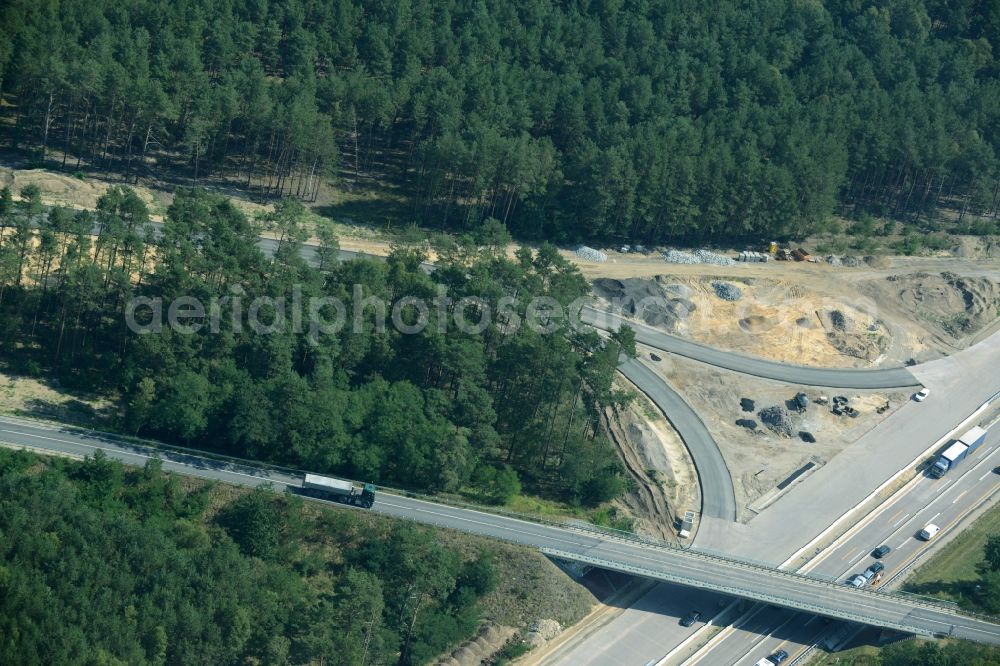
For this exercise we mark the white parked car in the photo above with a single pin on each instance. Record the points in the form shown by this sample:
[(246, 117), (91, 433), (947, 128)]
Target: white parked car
[(928, 532), (857, 581), (922, 394)]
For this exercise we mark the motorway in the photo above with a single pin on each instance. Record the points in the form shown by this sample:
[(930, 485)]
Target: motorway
[(944, 502), (716, 504), (654, 561), (876, 378), (639, 630), (717, 492), (959, 384)]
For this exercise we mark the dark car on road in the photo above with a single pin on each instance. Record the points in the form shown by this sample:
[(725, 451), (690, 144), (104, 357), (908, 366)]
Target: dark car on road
[(690, 618), (876, 567), (778, 657), (881, 551)]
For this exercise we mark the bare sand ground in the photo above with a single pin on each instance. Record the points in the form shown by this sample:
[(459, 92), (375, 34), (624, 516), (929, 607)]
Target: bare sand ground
[(760, 459)]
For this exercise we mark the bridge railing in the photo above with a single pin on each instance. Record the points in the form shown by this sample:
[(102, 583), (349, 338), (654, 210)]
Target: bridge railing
[(576, 525), (737, 591)]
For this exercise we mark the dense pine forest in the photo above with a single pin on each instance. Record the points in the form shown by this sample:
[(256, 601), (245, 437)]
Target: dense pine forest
[(628, 119), (101, 564), (479, 410)]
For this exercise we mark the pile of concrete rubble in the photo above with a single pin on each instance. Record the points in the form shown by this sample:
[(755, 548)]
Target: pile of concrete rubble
[(590, 254), (696, 257)]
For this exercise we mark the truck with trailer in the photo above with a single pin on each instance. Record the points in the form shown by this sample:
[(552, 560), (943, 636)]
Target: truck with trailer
[(954, 454), (339, 490)]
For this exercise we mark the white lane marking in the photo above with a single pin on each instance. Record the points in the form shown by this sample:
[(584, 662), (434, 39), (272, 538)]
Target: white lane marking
[(544, 533), (760, 637), (482, 522), (254, 476), (933, 517), (904, 543), (847, 555), (945, 485), (614, 548), (117, 449), (125, 452), (985, 475), (900, 521), (856, 557)]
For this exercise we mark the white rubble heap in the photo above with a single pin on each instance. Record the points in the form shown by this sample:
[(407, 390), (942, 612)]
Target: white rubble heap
[(696, 257), (590, 254)]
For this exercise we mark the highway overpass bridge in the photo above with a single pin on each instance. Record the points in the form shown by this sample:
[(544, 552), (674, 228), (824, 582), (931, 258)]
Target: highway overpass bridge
[(571, 542)]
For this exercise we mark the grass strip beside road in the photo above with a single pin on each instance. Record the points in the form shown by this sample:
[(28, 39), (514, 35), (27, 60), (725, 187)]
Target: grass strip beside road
[(951, 573)]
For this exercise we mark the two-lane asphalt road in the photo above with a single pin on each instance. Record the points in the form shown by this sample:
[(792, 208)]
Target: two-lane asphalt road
[(717, 492), (877, 378), (651, 560)]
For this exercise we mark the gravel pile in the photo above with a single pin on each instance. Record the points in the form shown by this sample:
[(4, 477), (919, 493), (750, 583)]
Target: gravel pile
[(834, 260), (590, 254), (679, 257), (778, 419), (696, 257), (851, 262), (838, 320), (726, 291), (706, 257), (542, 631)]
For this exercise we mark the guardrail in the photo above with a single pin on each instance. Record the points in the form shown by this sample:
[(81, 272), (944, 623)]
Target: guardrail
[(920, 602), (909, 566), (737, 591), (264, 468), (594, 530)]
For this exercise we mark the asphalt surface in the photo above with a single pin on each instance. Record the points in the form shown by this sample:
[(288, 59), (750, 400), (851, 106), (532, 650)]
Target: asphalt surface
[(891, 378), (944, 502), (717, 492), (639, 629), (959, 384), (878, 378), (785, 589), (674, 565), (941, 501)]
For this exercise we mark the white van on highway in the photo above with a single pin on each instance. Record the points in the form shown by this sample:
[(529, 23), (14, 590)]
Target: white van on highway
[(928, 532)]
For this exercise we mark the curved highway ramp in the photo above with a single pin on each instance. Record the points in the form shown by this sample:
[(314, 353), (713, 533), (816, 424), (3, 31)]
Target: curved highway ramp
[(717, 492), (877, 378)]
